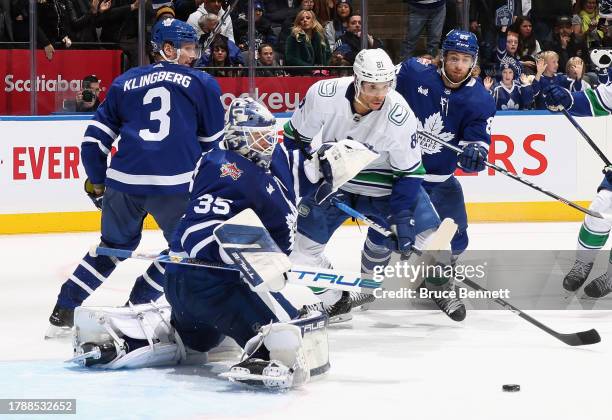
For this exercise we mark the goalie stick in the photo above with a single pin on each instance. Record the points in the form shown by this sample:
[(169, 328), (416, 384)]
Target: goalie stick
[(521, 180), (581, 338), (299, 275)]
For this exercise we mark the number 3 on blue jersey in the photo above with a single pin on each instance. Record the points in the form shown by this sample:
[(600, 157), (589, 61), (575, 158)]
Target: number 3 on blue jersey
[(160, 115)]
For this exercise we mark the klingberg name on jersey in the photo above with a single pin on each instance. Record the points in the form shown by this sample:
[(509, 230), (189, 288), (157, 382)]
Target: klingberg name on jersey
[(160, 76)]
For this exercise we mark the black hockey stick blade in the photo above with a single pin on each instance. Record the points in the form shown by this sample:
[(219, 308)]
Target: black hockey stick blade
[(582, 338)]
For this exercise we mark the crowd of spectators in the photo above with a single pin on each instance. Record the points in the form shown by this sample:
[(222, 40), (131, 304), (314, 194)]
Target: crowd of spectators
[(524, 44)]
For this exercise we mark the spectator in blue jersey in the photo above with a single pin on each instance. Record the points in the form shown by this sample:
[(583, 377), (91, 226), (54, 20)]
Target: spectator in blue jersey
[(165, 114), (547, 67), (574, 70), (507, 46), (424, 15), (510, 93), (528, 47)]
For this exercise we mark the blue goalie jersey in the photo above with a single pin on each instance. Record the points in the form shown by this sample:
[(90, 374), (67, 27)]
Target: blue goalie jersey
[(224, 184), (164, 116), (458, 116)]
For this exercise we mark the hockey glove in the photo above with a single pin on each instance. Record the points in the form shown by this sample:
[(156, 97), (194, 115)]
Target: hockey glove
[(473, 158), (404, 232), (557, 98), (607, 171), (95, 192)]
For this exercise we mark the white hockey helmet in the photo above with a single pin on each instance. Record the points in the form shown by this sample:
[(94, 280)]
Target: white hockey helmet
[(373, 66)]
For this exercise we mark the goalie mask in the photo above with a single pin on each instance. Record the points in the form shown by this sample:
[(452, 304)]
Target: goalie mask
[(250, 130)]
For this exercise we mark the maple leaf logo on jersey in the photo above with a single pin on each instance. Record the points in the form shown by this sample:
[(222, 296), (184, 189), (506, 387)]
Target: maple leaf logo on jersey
[(433, 125), (510, 105), (230, 169)]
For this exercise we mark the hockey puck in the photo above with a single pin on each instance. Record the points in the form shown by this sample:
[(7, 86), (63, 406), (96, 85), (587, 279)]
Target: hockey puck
[(511, 388)]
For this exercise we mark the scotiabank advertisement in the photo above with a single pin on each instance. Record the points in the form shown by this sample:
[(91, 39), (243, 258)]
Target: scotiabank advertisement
[(57, 80)]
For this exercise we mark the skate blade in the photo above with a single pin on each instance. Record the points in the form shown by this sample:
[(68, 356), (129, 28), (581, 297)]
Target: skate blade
[(80, 359), (340, 318), (58, 333)]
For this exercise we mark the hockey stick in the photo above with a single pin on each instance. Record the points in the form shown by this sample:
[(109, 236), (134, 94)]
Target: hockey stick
[(299, 275), (581, 338), (519, 179), (442, 238), (586, 137)]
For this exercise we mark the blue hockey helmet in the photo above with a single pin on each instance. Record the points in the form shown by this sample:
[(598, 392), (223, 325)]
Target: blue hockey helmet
[(605, 9), (250, 130), (173, 31), (460, 41)]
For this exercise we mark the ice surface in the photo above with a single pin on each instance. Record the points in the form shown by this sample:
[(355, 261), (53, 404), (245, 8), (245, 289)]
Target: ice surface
[(385, 364)]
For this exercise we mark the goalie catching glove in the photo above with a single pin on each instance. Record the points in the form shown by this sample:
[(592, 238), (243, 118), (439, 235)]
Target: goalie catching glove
[(95, 192)]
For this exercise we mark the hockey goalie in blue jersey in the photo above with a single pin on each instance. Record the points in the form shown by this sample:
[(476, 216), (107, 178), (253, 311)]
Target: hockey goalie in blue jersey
[(243, 195), (237, 231), (161, 117), (455, 107)]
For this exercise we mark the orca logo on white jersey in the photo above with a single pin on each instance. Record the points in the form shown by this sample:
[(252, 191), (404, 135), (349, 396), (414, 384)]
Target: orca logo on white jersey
[(398, 114), (327, 89)]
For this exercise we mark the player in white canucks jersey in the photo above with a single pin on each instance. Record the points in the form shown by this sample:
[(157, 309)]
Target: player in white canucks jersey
[(366, 109), (163, 116), (594, 231), (453, 106)]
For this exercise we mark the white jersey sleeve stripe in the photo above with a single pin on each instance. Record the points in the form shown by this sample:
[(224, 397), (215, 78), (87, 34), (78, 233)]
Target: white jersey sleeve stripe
[(200, 245), (104, 128), (152, 283), (197, 227), (211, 138), (130, 179), (102, 147)]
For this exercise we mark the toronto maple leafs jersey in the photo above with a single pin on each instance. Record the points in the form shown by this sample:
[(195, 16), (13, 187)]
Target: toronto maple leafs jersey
[(224, 184), (328, 109), (458, 116), (517, 97), (164, 116), (593, 102)]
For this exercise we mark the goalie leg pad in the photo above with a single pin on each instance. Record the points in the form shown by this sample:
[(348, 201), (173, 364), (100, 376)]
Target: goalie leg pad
[(297, 350), (148, 324)]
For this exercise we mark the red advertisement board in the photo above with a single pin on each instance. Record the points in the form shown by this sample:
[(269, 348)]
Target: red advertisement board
[(57, 79), (279, 94)]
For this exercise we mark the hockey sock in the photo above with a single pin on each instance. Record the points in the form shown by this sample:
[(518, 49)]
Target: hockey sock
[(374, 255), (88, 276), (594, 232), (150, 285)]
